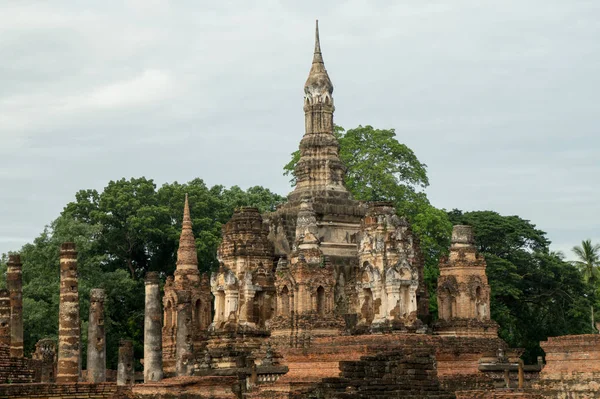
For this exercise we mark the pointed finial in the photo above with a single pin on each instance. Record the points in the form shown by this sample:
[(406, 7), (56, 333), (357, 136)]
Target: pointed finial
[(186, 211), (318, 57), (186, 254)]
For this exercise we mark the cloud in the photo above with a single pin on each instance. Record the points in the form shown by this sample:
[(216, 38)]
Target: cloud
[(498, 99)]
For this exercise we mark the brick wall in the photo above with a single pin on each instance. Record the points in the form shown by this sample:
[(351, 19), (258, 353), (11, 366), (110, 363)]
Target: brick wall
[(209, 387), (404, 373), (572, 353), (500, 394), (15, 370), (63, 391), (572, 367)]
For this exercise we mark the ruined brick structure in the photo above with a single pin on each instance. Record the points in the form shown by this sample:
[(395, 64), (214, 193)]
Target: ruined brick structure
[(69, 334), (187, 278), (243, 287), (572, 367), (45, 355), (14, 283), (315, 232), (390, 280), (96, 348), (153, 368), (4, 318), (125, 367), (339, 264), (401, 373), (463, 291)]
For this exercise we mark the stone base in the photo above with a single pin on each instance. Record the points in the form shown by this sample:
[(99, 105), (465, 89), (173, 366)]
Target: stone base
[(213, 387), (231, 349), (499, 394), (466, 328), (457, 358)]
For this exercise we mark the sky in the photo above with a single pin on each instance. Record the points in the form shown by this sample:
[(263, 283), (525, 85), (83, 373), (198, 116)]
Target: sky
[(498, 98)]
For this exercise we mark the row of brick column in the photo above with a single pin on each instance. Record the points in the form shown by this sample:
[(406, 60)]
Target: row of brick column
[(69, 332)]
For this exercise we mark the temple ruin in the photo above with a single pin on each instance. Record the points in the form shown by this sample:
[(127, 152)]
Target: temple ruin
[(324, 297)]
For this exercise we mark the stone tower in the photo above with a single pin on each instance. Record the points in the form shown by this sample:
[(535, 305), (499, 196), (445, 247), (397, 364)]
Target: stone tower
[(187, 278), (390, 279), (321, 234), (463, 291), (319, 171), (243, 287), (320, 181)]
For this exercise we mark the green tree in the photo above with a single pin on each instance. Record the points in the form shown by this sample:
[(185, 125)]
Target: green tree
[(140, 224), (588, 255)]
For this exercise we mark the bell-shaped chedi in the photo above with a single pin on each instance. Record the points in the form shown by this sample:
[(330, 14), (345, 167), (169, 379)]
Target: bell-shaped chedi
[(463, 291)]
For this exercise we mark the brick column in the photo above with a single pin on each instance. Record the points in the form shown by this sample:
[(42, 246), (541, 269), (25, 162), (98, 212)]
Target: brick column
[(184, 351), (4, 318), (68, 317), (153, 370), (14, 283), (96, 349), (125, 370)]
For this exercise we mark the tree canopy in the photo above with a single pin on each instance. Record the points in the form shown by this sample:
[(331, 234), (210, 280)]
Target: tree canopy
[(127, 229), (139, 225), (588, 260)]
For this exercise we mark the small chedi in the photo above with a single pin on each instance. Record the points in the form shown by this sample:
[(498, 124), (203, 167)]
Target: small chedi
[(322, 298), (186, 292), (463, 292)]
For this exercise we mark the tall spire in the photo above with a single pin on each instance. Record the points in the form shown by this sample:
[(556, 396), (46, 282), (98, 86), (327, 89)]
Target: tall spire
[(318, 87), (317, 57), (187, 258), (319, 172)]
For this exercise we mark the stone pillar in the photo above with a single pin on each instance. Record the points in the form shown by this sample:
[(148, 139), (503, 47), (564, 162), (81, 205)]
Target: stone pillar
[(184, 352), (125, 369), (96, 349), (231, 304), (14, 283), (4, 318), (68, 317), (153, 370)]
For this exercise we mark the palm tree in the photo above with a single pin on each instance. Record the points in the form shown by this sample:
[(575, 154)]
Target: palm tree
[(588, 261)]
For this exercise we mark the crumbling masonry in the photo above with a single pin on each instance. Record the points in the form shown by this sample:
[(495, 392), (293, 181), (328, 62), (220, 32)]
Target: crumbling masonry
[(153, 370), (14, 283), (68, 317), (96, 348)]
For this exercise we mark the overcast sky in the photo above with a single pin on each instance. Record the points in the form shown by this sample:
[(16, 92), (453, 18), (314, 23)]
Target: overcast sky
[(498, 98)]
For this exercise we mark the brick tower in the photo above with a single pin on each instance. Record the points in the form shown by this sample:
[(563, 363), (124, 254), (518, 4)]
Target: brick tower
[(187, 278), (463, 291)]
